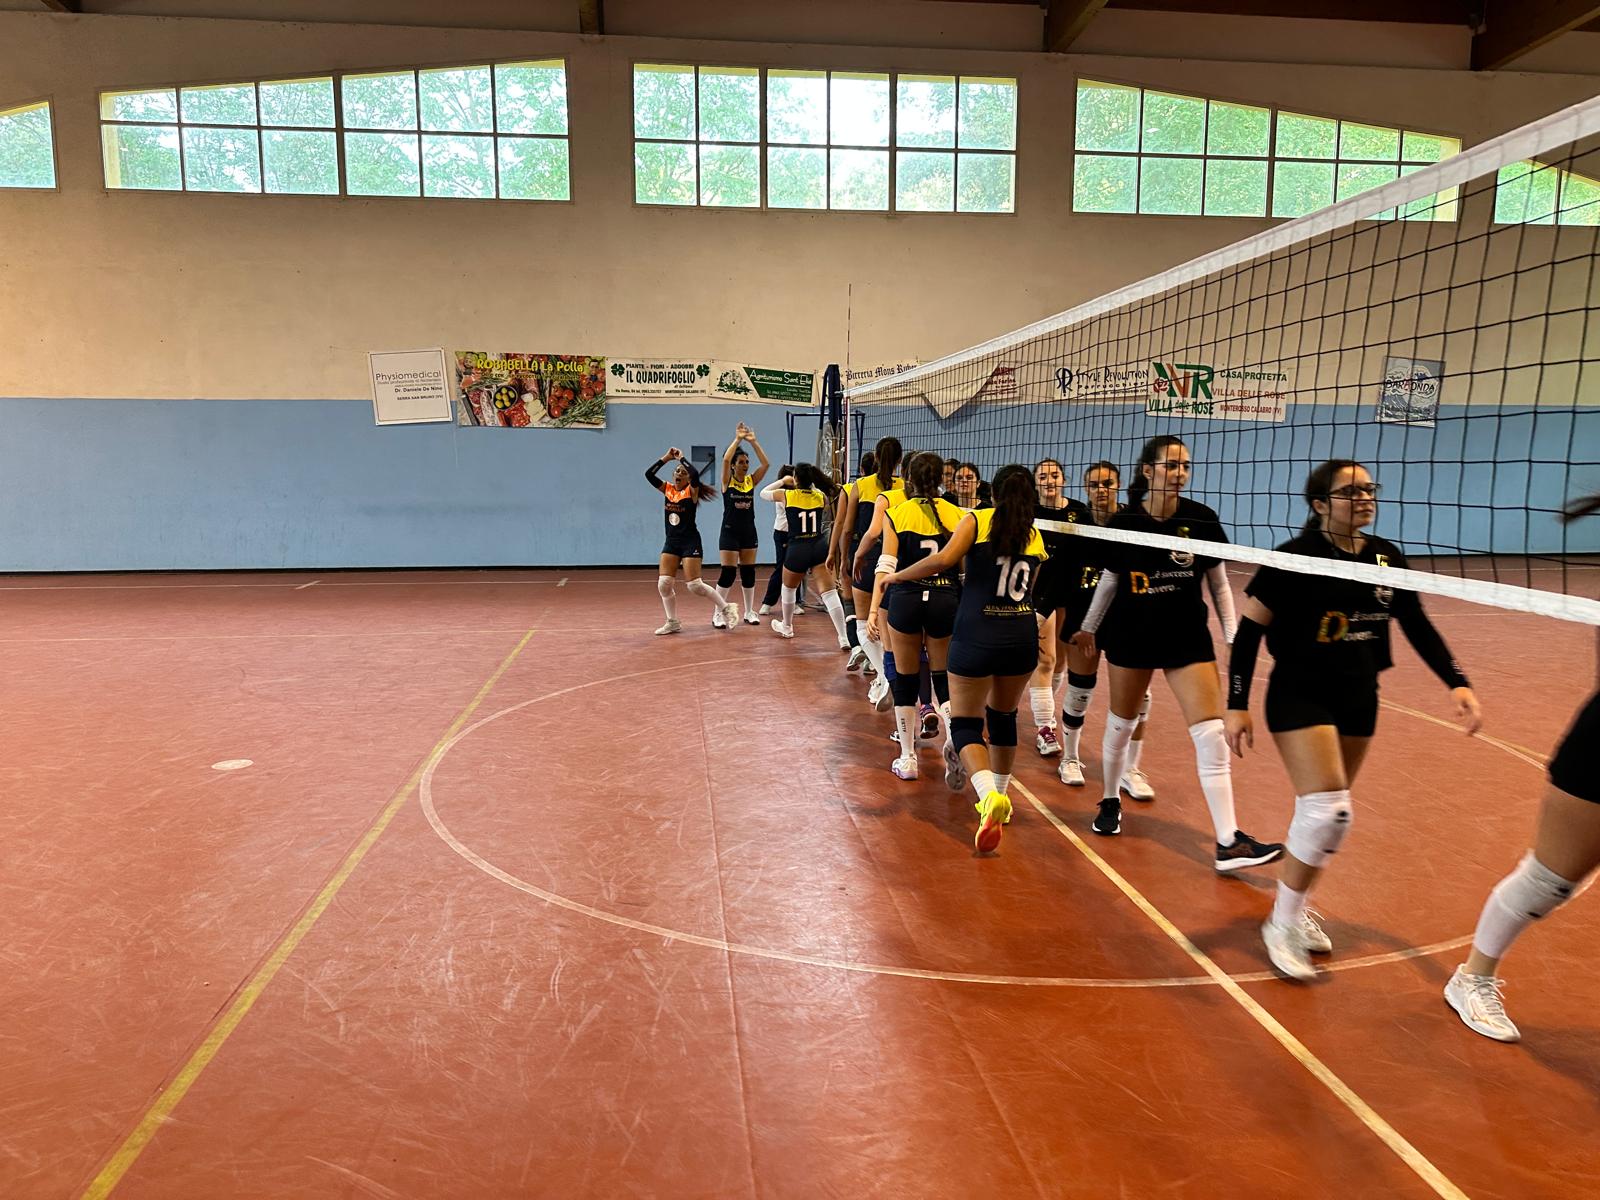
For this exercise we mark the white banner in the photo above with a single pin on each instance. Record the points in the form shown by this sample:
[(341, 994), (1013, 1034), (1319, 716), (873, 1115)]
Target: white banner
[(1411, 391), (1095, 383), (1002, 384), (410, 387), (649, 377), (856, 376), (1218, 393)]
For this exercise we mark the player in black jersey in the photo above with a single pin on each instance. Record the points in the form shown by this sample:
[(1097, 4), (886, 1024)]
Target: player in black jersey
[(738, 542), (1155, 619), (805, 495), (1054, 515), (995, 645), (1565, 852), (1329, 639), (919, 613), (852, 518), (683, 496), (967, 481)]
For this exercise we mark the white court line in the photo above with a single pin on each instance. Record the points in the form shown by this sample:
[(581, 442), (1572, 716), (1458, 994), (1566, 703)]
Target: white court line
[(563, 582), (304, 586)]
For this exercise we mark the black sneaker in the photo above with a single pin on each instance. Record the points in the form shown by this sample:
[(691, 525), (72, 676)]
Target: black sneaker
[(1246, 852), (1108, 821)]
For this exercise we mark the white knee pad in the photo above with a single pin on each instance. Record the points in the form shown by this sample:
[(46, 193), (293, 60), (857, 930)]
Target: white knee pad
[(1144, 709), (664, 585), (1210, 747), (1119, 730), (1321, 820), (788, 593), (1533, 890)]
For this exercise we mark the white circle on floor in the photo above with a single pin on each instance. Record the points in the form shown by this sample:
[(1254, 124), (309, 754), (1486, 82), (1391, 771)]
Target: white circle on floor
[(232, 764)]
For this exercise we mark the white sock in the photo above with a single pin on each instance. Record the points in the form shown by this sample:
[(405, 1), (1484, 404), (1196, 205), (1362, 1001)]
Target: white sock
[(874, 651), (1055, 682), (905, 722), (669, 595), (1531, 891), (1114, 752), (749, 600), (1134, 750), (786, 603), (1073, 707), (1216, 776), (1044, 707), (835, 607), (983, 784), (1289, 906), (722, 594), (701, 588), (1002, 783), (944, 715)]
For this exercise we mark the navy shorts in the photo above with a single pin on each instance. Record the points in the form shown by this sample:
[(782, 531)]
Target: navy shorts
[(929, 611), (684, 545), (975, 660), (805, 553), (738, 539)]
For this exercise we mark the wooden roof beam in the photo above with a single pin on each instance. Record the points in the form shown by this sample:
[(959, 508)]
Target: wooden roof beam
[(66, 6), (1065, 21), (1512, 28), (592, 16)]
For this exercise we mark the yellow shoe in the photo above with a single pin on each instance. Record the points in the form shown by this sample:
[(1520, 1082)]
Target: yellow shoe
[(996, 811)]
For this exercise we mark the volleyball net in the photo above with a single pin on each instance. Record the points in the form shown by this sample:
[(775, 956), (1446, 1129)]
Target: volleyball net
[(1443, 329)]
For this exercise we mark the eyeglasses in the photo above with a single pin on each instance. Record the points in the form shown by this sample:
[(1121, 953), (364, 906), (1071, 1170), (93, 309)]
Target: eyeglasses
[(1355, 491)]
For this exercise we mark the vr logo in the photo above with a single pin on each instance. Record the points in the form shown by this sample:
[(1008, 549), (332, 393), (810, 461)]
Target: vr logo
[(1192, 381)]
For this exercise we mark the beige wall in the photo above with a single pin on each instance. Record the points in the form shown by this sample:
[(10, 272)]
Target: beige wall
[(156, 295)]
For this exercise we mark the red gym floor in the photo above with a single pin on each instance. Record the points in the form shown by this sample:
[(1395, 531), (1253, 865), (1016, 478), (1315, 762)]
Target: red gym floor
[(517, 900)]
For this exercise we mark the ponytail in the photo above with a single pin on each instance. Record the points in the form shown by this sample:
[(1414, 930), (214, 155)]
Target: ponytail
[(887, 453), (1581, 508), (1014, 500)]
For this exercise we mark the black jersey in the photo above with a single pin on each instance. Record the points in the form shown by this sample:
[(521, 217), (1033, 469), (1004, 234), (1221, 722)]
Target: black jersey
[(804, 508), (1323, 626), (1160, 589), (997, 594), (1066, 550), (922, 527), (682, 503), (739, 506)]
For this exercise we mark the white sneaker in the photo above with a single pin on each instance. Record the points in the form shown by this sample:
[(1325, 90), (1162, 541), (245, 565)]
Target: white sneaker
[(782, 630), (751, 618), (1477, 1001), (718, 620), (844, 643), (1287, 949), (672, 626), (1071, 772), (799, 610), (764, 610), (857, 659), (1137, 786), (1046, 743), (879, 695), (904, 767), (955, 775), (730, 614), (1313, 935)]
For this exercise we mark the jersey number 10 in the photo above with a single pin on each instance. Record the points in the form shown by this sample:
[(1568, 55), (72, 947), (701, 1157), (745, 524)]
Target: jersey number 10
[(1013, 579)]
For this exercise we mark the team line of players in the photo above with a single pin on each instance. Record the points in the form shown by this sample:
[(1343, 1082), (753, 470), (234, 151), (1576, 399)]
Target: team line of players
[(1009, 598)]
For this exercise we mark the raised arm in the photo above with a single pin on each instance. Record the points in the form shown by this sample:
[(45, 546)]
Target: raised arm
[(650, 471), (727, 458), (775, 489), (761, 456)]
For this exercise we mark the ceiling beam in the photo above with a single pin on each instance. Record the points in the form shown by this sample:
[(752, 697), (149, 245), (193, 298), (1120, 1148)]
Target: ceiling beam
[(1065, 21), (66, 6), (591, 16), (1511, 28), (1418, 12)]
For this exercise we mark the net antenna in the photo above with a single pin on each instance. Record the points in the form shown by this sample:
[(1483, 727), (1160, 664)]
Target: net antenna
[(1442, 329)]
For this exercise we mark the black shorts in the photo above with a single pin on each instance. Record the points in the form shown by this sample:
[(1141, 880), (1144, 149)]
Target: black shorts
[(1299, 702), (684, 545), (925, 610), (1073, 611), (974, 660), (805, 553), (1146, 649), (1573, 767), (737, 538)]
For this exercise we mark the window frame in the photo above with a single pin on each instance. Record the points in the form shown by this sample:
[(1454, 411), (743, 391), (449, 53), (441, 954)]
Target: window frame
[(339, 129), (891, 147), (1554, 221), (49, 101), (1271, 158)]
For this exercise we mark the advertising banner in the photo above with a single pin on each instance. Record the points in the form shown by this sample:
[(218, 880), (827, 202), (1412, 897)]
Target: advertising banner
[(530, 391)]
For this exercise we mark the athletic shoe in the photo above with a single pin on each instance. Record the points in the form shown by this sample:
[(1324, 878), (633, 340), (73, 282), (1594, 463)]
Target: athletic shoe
[(799, 610), (730, 614), (844, 643), (1287, 949), (751, 618), (1477, 1001), (1108, 821), (995, 809), (1313, 935), (672, 626), (904, 767), (1246, 852), (857, 659), (1137, 786), (764, 610), (1071, 772), (1046, 743), (955, 775), (930, 723), (719, 619), (782, 630), (879, 696)]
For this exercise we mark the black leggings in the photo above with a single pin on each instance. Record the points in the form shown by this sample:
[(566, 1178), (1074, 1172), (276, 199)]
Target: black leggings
[(780, 538)]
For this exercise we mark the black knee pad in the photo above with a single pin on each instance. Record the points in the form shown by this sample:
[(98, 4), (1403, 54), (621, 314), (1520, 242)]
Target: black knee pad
[(1080, 681), (966, 731), (1002, 727), (747, 575), (941, 685), (904, 688), (726, 576)]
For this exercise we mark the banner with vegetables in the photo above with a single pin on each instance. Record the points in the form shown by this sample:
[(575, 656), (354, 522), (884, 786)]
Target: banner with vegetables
[(530, 391)]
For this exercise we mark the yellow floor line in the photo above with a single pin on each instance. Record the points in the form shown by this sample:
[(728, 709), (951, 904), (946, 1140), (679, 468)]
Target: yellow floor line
[(128, 1153), (1364, 1112)]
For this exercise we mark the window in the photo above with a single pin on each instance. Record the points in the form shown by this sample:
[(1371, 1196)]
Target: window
[(1531, 193), (27, 148), (476, 132), (1148, 151), (868, 141)]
